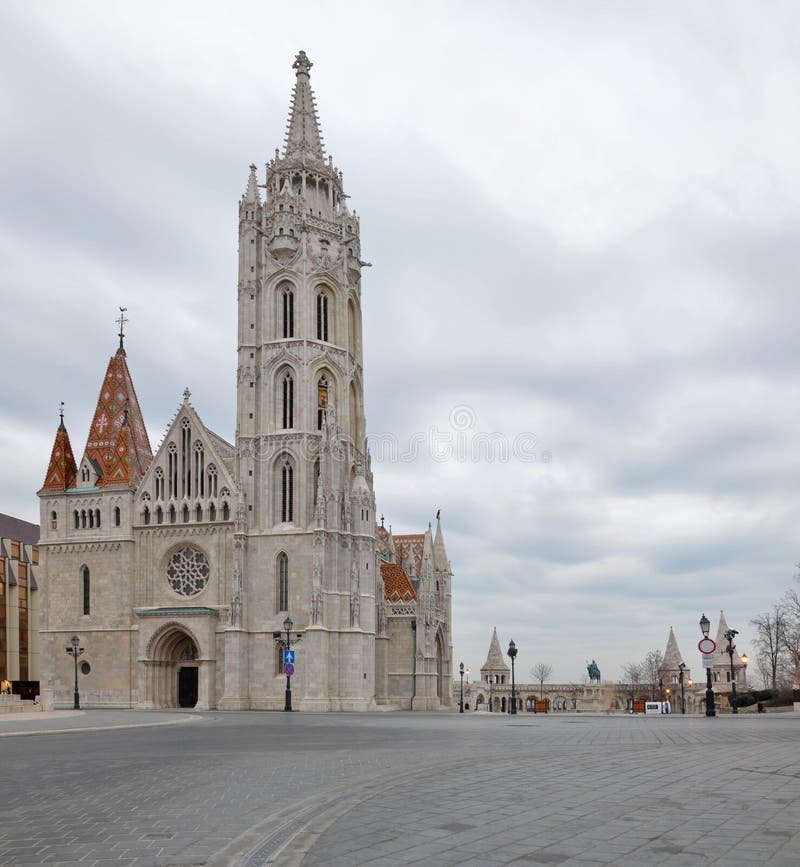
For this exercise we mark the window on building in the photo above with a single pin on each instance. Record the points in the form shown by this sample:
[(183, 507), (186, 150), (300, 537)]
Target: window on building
[(117, 516), (287, 401), (283, 582), (287, 493), (53, 521), (280, 646), (86, 589), (322, 316), (323, 399), (287, 312)]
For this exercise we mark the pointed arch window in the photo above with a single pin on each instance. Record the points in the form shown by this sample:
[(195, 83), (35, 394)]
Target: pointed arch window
[(287, 401), (117, 516), (322, 316), (283, 582), (212, 480), (86, 589), (199, 470), (226, 512), (323, 399), (172, 469), (287, 493), (287, 312), (185, 514), (198, 513), (97, 518), (77, 517), (146, 515), (212, 512), (159, 483), (172, 514), (159, 515)]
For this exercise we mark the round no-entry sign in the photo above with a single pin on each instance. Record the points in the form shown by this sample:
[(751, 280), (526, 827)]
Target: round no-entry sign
[(707, 645)]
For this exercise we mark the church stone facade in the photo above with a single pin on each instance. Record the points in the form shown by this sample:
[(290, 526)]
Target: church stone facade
[(178, 569)]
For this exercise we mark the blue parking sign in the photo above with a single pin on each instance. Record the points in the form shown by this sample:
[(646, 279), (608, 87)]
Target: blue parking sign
[(288, 657)]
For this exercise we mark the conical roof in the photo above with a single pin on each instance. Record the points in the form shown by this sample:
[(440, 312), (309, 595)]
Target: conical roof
[(303, 138), (721, 656), (62, 470), (120, 456), (494, 659), (672, 654)]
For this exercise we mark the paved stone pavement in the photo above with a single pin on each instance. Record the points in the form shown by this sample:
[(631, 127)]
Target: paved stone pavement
[(256, 789)]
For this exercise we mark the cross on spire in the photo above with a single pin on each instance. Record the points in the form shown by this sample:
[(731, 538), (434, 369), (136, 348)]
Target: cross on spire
[(61, 411), (121, 322)]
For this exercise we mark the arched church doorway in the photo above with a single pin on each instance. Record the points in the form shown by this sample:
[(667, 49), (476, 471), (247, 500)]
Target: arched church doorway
[(172, 678), (187, 686)]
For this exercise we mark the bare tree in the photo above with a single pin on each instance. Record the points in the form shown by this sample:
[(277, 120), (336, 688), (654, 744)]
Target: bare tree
[(651, 669), (772, 632), (541, 672), (633, 673)]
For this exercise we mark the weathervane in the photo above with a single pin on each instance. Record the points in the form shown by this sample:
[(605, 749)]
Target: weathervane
[(61, 411), (121, 322)]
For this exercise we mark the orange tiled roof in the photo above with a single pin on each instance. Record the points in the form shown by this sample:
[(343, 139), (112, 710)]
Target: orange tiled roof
[(61, 471), (396, 586), (122, 456)]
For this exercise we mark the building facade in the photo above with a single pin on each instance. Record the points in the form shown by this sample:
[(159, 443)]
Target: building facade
[(179, 568), (19, 606)]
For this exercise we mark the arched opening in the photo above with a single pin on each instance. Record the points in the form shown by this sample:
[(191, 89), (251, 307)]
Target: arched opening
[(173, 670), (440, 679)]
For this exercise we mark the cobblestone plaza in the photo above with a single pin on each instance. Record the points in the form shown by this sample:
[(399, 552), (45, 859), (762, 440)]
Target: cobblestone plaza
[(135, 789)]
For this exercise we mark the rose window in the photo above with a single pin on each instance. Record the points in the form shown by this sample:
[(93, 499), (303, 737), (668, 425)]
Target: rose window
[(187, 571)]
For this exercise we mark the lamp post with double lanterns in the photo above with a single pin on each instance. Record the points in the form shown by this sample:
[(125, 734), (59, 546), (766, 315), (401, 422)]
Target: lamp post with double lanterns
[(75, 651), (681, 669), (512, 652), (705, 626), (461, 700), (491, 685), (287, 625), (730, 635)]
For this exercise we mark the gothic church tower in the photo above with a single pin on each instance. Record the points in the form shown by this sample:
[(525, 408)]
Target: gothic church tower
[(302, 464)]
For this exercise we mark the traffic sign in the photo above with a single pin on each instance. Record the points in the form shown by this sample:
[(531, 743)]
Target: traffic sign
[(288, 656), (708, 660), (288, 669), (707, 645)]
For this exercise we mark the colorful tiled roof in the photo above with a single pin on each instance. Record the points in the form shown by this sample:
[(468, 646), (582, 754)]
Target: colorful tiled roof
[(413, 543), (122, 456), (62, 470), (396, 586)]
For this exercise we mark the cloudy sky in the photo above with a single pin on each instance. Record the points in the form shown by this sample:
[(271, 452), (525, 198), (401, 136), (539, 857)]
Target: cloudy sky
[(583, 220)]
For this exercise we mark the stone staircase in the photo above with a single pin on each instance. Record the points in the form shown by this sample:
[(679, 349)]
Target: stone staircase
[(15, 704)]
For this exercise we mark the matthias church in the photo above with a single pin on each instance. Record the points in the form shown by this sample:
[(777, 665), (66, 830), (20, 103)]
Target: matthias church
[(186, 572)]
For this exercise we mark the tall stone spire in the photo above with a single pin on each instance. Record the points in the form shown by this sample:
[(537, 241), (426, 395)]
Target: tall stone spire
[(251, 195), (303, 138), (61, 471), (440, 561)]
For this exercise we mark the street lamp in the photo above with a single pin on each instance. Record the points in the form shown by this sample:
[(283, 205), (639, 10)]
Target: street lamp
[(461, 702), (705, 626), (730, 635), (491, 683), (74, 651), (661, 690), (512, 652), (682, 668), (287, 625)]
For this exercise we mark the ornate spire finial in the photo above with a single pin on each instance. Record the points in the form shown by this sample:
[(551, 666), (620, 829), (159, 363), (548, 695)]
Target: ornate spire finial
[(61, 411), (186, 394), (381, 513), (301, 63), (121, 322)]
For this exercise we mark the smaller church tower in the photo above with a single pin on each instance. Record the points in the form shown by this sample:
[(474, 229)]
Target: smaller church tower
[(495, 670)]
